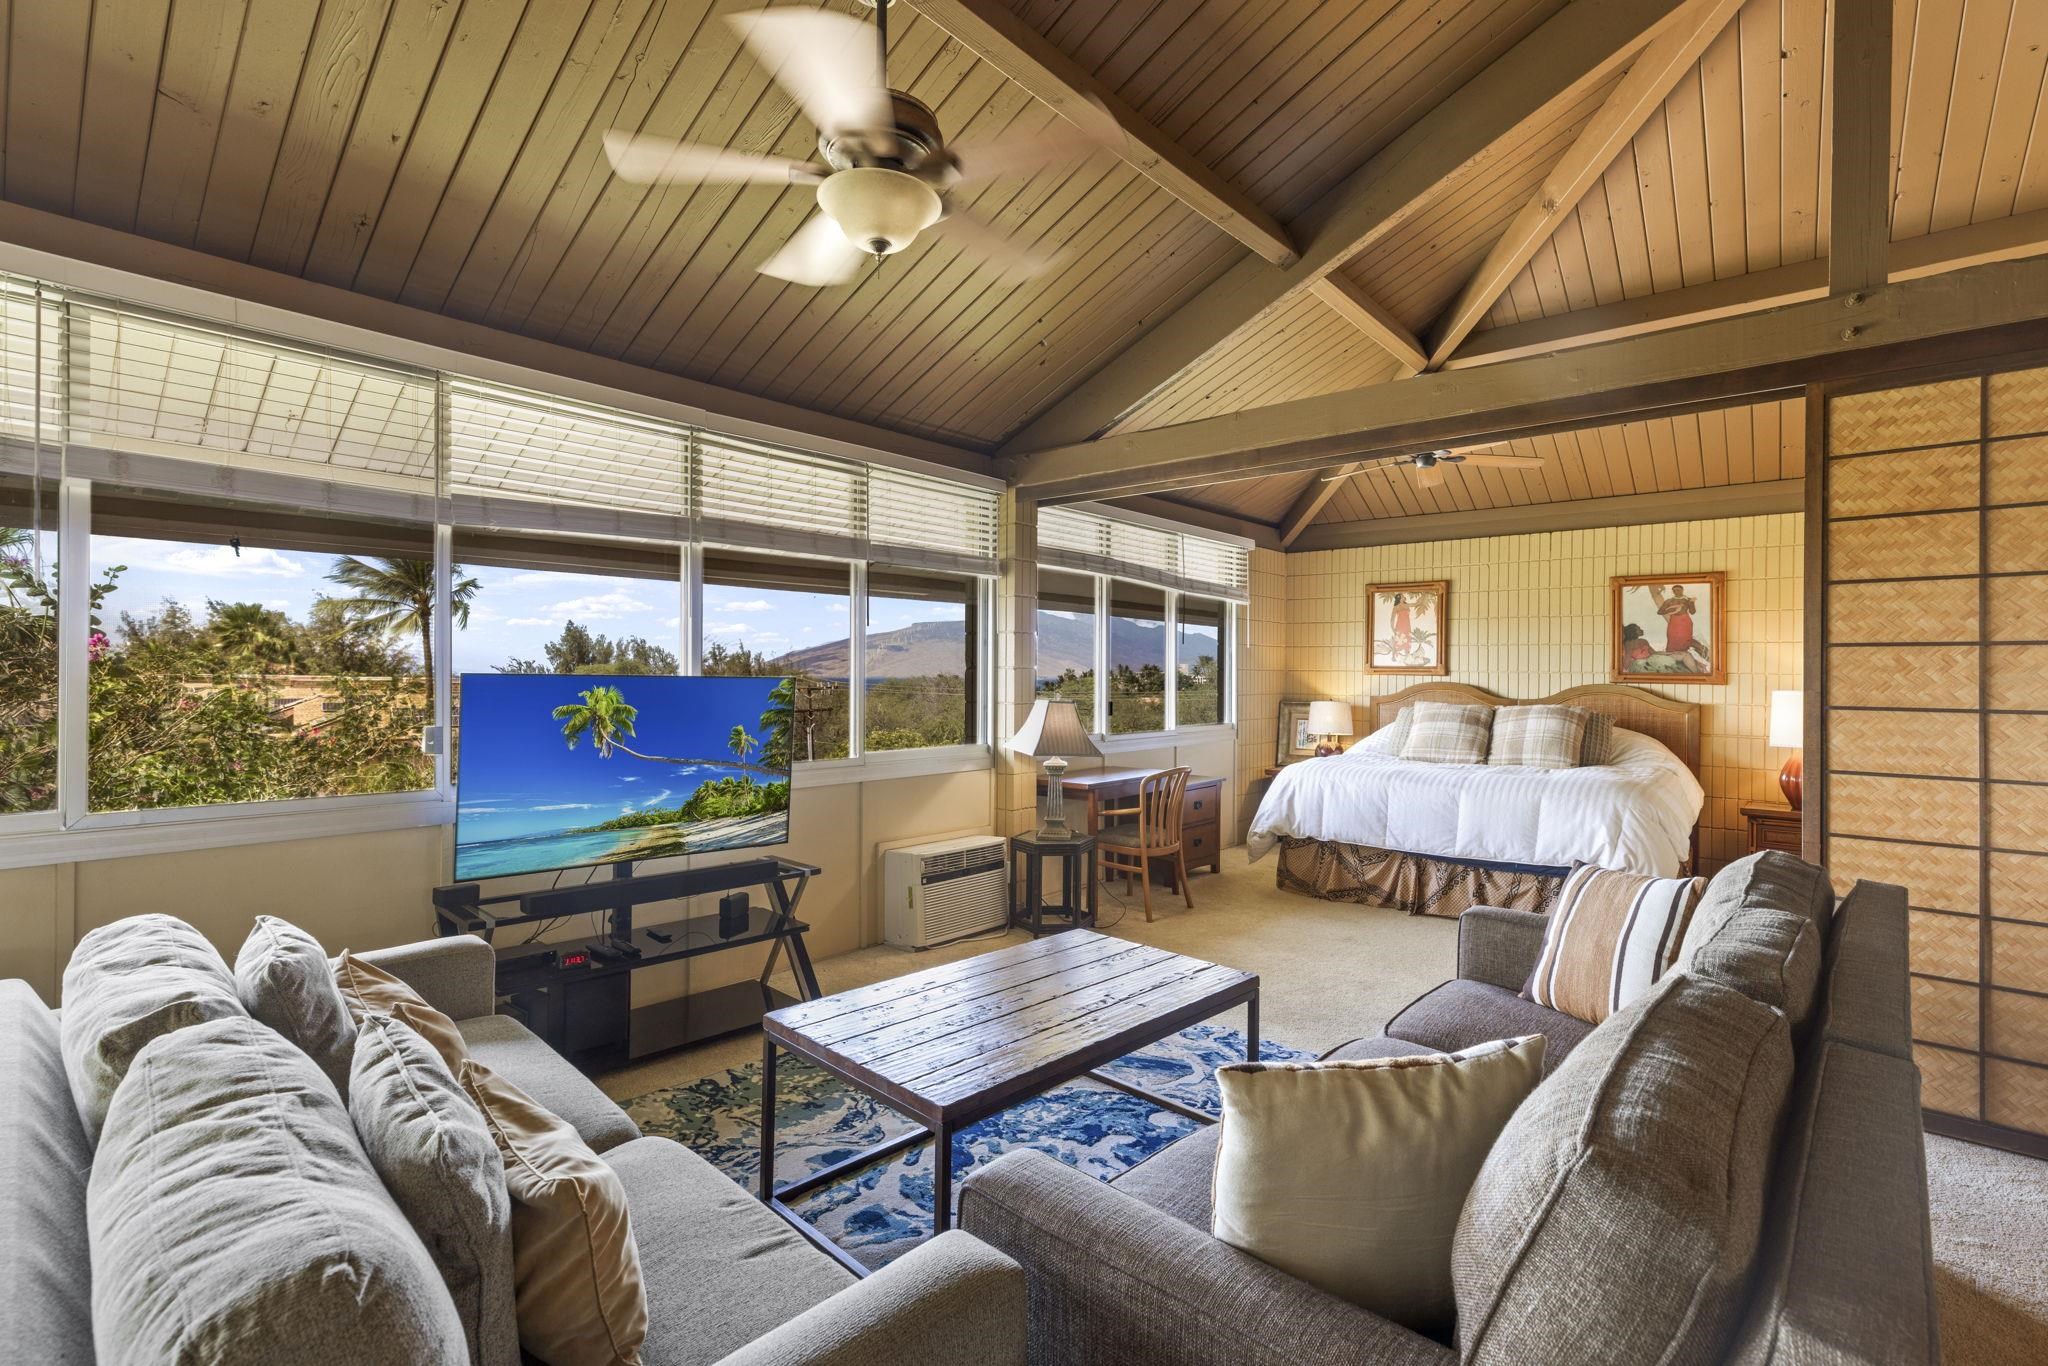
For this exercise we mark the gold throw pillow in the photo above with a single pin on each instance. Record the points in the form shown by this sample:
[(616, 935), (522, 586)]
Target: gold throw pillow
[(367, 989)]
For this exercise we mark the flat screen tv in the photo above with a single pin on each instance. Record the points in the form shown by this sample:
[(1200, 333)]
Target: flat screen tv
[(567, 770)]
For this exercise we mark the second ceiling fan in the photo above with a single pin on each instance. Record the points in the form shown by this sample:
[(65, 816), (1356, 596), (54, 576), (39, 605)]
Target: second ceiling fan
[(1428, 466), (885, 172)]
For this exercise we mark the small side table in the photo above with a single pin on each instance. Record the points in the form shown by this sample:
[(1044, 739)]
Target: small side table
[(1076, 906), (1773, 827)]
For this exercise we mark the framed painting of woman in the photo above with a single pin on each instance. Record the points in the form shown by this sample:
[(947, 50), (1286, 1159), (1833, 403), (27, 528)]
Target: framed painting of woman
[(1407, 628), (1668, 626)]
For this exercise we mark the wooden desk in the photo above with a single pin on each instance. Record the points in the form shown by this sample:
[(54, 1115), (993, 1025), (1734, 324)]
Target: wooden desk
[(1096, 790)]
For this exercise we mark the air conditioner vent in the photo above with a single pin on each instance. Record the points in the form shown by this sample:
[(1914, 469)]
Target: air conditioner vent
[(946, 890)]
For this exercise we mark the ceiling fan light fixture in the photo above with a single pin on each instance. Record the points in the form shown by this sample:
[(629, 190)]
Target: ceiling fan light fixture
[(879, 210)]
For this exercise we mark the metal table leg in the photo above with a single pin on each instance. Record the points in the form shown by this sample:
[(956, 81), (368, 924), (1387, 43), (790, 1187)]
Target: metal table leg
[(1251, 1028), (942, 1178), (767, 1119)]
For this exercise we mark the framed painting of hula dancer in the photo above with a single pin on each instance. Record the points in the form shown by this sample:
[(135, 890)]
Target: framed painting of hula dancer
[(1408, 628), (1668, 626)]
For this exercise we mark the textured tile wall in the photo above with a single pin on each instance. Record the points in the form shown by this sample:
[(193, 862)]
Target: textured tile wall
[(1529, 615), (1261, 680)]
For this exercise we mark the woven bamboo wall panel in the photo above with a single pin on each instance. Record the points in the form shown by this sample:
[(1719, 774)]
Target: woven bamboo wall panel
[(2018, 677), (2018, 542), (2019, 470), (2019, 817), (1930, 808), (2019, 402), (1882, 611), (1934, 744), (1948, 1080), (1945, 1012), (1904, 547), (1889, 419), (1906, 481), (2019, 956), (2019, 887), (1945, 945), (2015, 604), (2018, 1027), (2019, 748), (1913, 676), (1935, 878), (2016, 1095), (1531, 614)]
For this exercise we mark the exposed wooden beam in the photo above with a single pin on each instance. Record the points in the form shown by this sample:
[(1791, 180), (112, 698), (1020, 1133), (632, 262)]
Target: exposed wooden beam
[(1260, 534), (1984, 311), (1634, 509), (63, 249), (1322, 488), (1359, 309), (1575, 51), (1013, 47), (1641, 93), (1996, 239), (1860, 193)]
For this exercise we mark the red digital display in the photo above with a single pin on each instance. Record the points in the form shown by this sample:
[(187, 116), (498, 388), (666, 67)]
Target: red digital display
[(576, 958)]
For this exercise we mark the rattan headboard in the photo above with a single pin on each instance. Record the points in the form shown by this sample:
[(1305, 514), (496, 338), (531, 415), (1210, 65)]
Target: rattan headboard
[(1673, 723)]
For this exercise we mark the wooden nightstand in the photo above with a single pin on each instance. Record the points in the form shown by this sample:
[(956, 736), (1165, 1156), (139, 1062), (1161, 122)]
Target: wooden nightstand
[(1773, 827)]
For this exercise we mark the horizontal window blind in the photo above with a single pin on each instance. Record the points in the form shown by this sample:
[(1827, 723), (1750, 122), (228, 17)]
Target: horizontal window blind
[(918, 518), (1145, 552), (135, 381), (31, 325), (753, 494)]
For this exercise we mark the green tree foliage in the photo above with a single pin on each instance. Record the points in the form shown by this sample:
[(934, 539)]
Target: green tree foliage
[(252, 637), (396, 595), (577, 651)]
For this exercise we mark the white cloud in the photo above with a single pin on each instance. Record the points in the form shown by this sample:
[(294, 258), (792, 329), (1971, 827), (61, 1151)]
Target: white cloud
[(658, 798), (482, 810), (629, 780), (201, 561), (616, 605), (564, 806), (752, 605)]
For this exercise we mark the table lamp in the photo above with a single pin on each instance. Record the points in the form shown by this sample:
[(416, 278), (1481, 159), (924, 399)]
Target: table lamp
[(1788, 712), (1053, 732), (1329, 720)]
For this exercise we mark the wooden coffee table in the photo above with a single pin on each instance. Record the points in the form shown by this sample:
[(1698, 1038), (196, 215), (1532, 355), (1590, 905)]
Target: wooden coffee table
[(956, 1044)]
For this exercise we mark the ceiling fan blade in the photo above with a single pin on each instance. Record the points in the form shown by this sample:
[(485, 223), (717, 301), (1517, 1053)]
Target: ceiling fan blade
[(1502, 459), (818, 254), (1016, 153), (1428, 476), (1011, 258), (825, 61), (663, 161)]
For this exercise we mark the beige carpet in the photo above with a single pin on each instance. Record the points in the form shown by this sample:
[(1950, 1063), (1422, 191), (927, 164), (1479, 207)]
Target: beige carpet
[(1330, 972)]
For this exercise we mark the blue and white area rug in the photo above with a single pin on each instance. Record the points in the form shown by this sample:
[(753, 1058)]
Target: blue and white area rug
[(882, 1211)]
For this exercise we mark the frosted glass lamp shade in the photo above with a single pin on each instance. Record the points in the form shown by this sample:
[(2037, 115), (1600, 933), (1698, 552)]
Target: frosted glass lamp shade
[(1329, 718), (1053, 729), (1788, 711), (878, 209)]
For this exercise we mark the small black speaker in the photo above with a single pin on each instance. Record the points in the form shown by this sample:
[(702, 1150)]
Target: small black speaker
[(734, 911)]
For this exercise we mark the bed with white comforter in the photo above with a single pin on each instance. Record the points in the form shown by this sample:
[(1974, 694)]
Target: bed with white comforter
[(1635, 813)]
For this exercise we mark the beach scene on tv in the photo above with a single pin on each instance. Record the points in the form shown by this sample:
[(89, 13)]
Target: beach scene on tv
[(561, 771)]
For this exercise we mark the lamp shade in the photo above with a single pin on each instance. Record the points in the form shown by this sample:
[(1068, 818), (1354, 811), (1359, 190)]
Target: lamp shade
[(1053, 729), (1788, 712), (1329, 718)]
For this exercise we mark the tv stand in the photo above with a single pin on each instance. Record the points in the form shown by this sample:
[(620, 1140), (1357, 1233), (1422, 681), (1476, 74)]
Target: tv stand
[(577, 994)]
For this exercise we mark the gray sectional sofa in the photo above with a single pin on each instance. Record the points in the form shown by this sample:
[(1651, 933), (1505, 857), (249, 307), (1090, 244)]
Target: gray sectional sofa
[(1730, 1170), (727, 1280)]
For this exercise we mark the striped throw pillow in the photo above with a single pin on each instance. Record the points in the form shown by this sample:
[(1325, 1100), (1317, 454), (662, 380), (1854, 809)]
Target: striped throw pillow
[(1611, 936), (1538, 737), (1448, 733), (1599, 746)]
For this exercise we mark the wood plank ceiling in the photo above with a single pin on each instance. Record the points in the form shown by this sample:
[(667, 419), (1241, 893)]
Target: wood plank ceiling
[(445, 154)]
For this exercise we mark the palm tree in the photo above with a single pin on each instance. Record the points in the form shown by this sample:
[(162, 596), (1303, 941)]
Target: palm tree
[(741, 744), (606, 716), (252, 632), (396, 595)]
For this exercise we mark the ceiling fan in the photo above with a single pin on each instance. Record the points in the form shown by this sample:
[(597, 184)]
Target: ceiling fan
[(887, 172), (1428, 466)]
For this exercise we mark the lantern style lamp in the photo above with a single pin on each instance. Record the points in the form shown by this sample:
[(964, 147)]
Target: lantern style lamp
[(1053, 732), (1788, 713), (1331, 720)]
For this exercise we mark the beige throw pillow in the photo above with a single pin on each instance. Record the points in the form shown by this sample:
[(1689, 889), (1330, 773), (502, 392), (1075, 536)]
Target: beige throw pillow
[(1538, 737), (1448, 733), (1611, 936), (368, 989), (1350, 1175), (575, 1267)]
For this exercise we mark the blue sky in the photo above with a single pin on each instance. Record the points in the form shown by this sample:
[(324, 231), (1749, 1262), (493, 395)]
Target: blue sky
[(515, 612), (518, 776)]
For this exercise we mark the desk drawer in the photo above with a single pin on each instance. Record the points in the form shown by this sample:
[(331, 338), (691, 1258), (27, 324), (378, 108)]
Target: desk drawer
[(1202, 804), (1202, 842)]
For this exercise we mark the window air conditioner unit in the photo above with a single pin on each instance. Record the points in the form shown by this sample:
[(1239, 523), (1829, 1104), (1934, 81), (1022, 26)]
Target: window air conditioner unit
[(946, 890)]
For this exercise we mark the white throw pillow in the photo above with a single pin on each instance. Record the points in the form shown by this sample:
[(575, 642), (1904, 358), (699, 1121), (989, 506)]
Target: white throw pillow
[(1350, 1175)]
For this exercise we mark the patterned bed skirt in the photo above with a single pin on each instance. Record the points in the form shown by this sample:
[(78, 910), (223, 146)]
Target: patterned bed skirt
[(1408, 882)]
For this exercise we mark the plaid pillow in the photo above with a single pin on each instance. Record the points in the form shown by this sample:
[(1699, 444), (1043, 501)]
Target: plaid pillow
[(1538, 737), (1599, 746), (1611, 936), (1448, 733)]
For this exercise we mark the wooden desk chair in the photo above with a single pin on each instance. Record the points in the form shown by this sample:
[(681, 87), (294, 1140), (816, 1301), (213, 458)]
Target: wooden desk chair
[(1156, 834)]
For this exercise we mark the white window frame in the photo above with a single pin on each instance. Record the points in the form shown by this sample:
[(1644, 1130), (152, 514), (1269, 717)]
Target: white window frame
[(1173, 733)]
